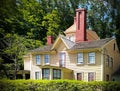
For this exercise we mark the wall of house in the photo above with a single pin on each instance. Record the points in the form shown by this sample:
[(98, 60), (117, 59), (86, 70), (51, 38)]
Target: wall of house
[(71, 63), (27, 63), (111, 49)]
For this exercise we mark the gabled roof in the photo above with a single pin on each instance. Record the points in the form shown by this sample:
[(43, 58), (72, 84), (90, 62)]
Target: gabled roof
[(91, 44), (72, 45), (68, 43)]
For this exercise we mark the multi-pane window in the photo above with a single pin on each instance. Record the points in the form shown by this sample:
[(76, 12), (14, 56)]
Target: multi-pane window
[(91, 57), (91, 76), (107, 60), (56, 74), (46, 59), (38, 59), (45, 73), (62, 59), (79, 58), (79, 76), (37, 75), (111, 62)]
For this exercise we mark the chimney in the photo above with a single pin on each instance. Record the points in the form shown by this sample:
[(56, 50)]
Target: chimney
[(49, 40), (80, 25)]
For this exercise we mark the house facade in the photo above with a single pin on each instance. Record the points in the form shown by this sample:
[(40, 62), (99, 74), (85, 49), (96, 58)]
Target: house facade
[(79, 55)]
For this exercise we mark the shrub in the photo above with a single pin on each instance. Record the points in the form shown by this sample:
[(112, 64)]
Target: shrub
[(57, 85)]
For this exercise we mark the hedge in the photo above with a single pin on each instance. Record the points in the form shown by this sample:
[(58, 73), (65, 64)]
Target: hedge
[(57, 85)]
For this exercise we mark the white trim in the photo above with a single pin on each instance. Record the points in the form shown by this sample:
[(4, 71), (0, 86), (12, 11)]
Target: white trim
[(65, 43), (79, 63), (30, 62), (102, 66), (55, 42), (35, 75)]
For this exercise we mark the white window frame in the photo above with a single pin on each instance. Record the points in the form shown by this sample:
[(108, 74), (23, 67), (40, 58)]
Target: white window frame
[(80, 58), (37, 75), (91, 55), (46, 59), (38, 59)]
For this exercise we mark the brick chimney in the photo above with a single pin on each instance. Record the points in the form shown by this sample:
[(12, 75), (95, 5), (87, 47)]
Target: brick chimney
[(80, 25), (49, 40)]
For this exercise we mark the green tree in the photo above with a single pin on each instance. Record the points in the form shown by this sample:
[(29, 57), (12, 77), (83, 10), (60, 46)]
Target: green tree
[(15, 48)]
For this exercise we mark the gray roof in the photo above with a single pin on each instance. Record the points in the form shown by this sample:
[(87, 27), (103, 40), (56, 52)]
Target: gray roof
[(91, 44), (73, 46), (68, 42), (42, 49)]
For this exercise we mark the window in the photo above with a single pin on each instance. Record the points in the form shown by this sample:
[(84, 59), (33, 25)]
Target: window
[(56, 74), (107, 77), (45, 73), (111, 62), (107, 60), (46, 59), (37, 75), (91, 76), (38, 59), (62, 59), (79, 58), (114, 47), (91, 58), (79, 76)]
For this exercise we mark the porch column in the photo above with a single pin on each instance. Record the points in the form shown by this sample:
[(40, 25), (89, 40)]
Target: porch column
[(51, 73)]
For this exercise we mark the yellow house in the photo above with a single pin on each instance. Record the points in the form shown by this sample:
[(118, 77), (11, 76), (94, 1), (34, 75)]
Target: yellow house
[(79, 55)]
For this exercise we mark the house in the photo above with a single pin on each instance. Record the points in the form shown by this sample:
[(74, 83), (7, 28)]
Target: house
[(79, 55)]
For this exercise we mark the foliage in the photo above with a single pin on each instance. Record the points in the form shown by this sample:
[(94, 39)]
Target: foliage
[(57, 85), (33, 20)]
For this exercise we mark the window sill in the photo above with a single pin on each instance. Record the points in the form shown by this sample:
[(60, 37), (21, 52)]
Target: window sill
[(38, 64), (91, 63), (47, 64), (78, 64)]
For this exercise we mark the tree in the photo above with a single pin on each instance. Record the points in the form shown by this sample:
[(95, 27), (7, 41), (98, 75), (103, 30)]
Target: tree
[(115, 17), (15, 48), (52, 23)]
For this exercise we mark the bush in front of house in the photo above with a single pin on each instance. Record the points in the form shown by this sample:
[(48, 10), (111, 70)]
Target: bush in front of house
[(57, 85)]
